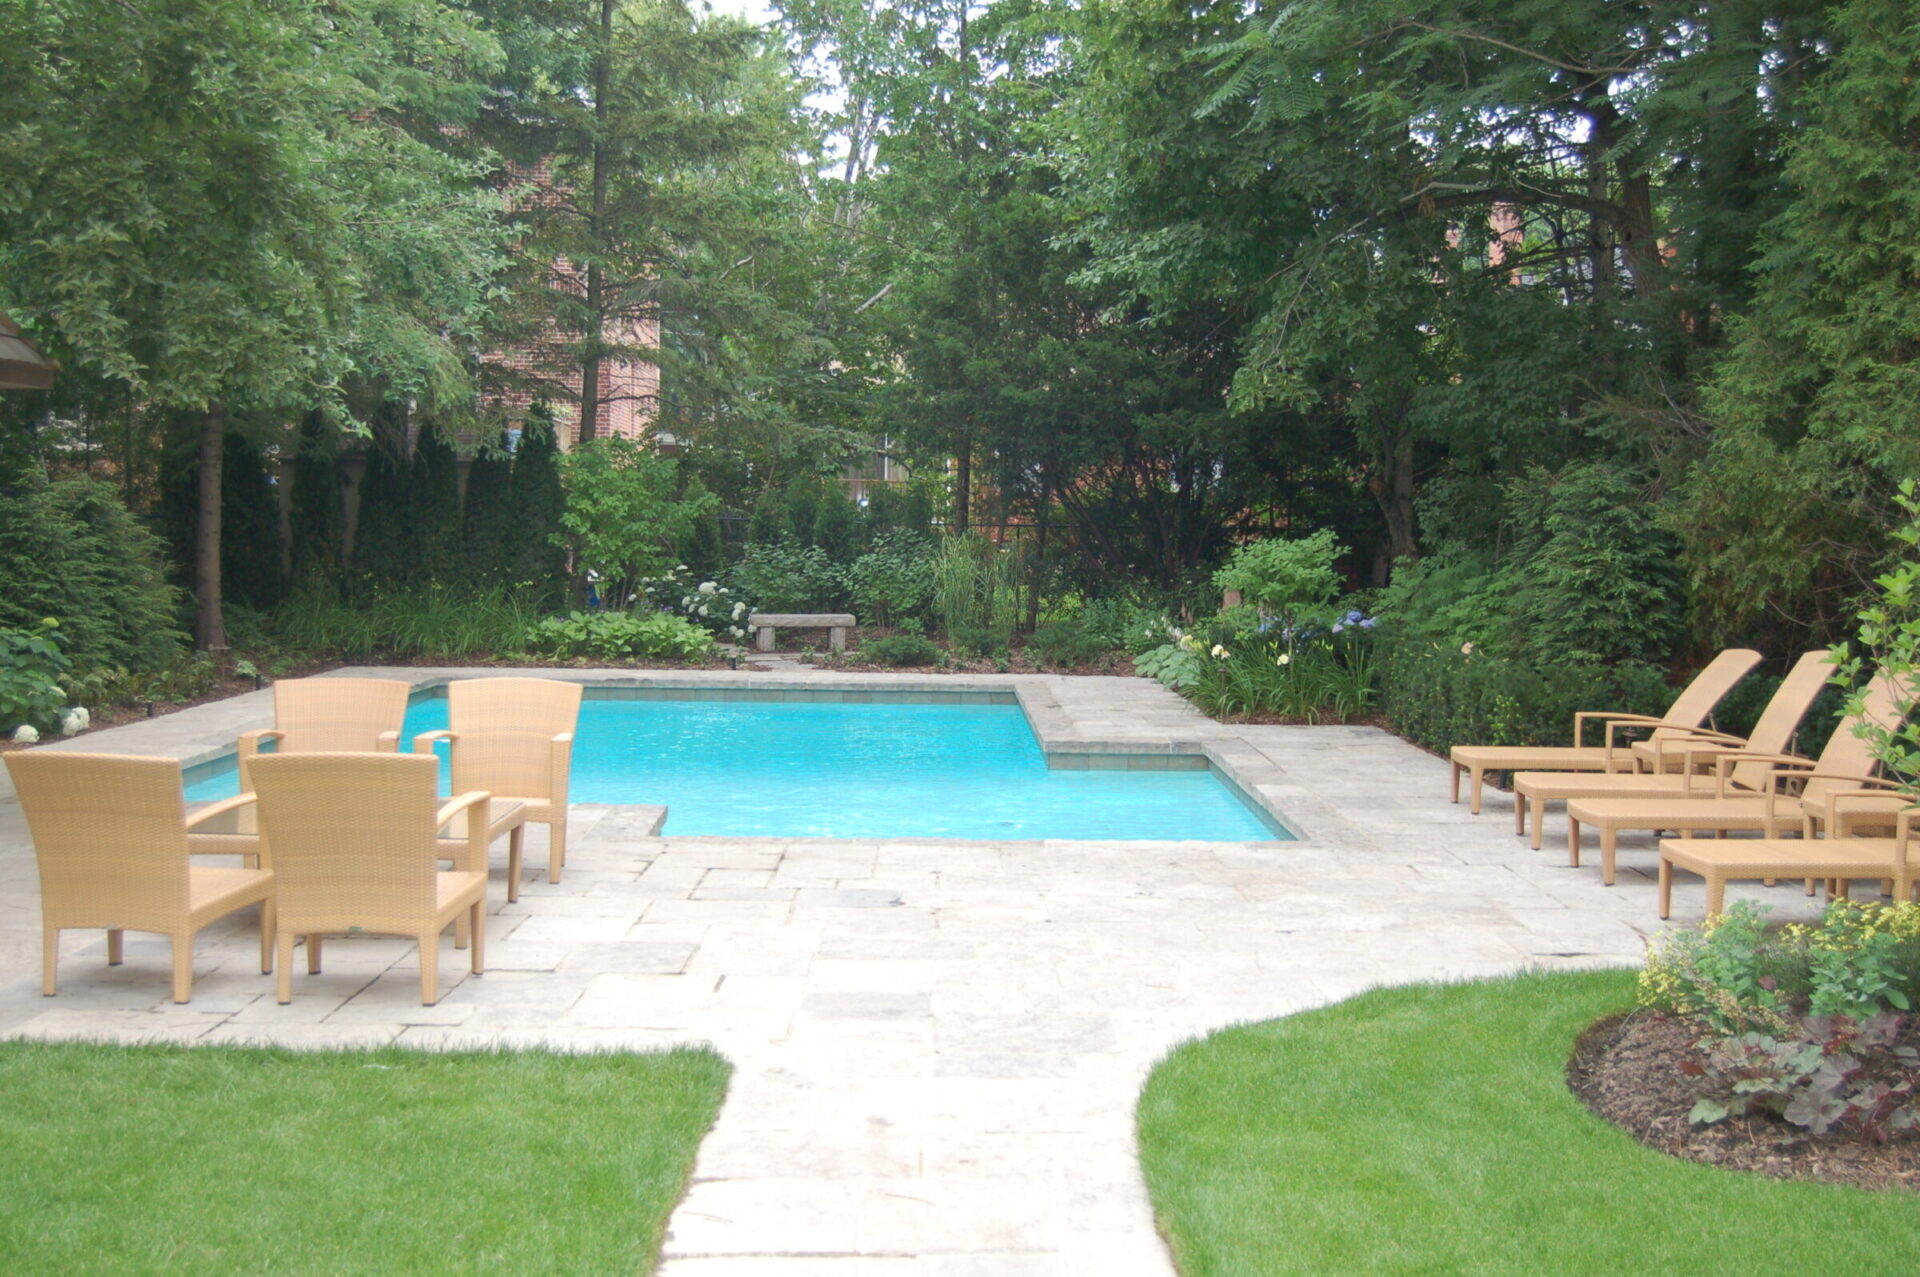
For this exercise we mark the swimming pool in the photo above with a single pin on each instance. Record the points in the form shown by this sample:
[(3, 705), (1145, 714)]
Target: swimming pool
[(862, 770)]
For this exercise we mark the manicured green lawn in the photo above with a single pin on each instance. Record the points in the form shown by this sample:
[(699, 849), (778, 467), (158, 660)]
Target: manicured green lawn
[(1430, 1129), (148, 1159)]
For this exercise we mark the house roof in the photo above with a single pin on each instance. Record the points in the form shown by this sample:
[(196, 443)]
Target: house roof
[(22, 366)]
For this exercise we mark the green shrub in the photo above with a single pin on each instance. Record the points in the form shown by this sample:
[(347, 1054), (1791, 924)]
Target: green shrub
[(1286, 578), (622, 636), (31, 667), (436, 622), (1067, 645), (900, 649), (894, 578), (1803, 1020), (978, 640), (1440, 697), (1890, 640), (69, 550), (707, 604), (627, 512), (783, 575)]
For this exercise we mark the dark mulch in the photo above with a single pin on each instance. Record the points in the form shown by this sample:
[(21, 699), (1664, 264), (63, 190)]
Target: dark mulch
[(1628, 1069)]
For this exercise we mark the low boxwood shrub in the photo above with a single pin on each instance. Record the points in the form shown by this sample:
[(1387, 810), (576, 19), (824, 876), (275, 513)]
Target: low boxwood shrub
[(1442, 696), (1067, 644), (900, 649)]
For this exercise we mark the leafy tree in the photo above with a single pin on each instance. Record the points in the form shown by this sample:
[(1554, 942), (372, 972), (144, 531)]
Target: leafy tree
[(350, 240)]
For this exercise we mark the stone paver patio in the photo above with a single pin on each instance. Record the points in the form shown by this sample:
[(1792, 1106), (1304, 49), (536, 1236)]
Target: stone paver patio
[(938, 1044)]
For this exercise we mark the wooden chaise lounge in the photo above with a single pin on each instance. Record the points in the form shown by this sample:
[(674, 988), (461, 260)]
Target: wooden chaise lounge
[(1689, 710), (1696, 749)]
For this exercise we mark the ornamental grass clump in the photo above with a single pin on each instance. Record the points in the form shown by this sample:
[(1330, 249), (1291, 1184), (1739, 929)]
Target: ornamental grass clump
[(1812, 1024)]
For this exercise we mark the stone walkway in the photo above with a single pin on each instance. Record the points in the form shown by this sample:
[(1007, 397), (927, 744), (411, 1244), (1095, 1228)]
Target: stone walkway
[(938, 1044)]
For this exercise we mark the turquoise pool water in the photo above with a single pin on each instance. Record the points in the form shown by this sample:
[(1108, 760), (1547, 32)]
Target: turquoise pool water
[(742, 767)]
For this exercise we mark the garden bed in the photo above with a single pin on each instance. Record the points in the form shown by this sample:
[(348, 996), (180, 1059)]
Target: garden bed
[(1632, 1070)]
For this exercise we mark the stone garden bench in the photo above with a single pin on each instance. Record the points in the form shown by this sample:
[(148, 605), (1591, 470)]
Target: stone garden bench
[(836, 624)]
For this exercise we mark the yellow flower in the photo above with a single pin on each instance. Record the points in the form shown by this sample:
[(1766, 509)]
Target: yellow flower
[(1466, 649), (1286, 658), (1220, 652)]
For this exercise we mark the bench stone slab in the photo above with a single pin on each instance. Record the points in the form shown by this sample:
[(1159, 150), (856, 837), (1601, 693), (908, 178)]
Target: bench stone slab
[(835, 623)]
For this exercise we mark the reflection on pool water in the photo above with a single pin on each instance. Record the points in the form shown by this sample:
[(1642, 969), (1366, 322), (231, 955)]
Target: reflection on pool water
[(879, 770)]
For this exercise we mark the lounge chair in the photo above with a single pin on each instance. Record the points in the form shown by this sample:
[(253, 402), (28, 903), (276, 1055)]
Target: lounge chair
[(354, 842), (1532, 791), (1689, 710), (1845, 768), (1838, 860), (513, 737), (111, 836)]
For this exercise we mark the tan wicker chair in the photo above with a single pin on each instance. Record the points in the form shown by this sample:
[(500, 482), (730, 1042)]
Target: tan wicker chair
[(353, 840), (1697, 748), (1840, 861), (513, 737), (1844, 769), (111, 836), (331, 715), (1614, 754)]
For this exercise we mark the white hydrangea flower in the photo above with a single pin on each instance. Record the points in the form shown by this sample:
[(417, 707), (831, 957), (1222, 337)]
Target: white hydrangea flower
[(75, 720), (25, 734), (708, 587)]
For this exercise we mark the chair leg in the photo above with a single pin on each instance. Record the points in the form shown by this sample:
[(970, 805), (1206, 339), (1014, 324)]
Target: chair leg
[(1716, 895), (266, 937), (429, 969), (1453, 770), (1537, 811), (1666, 886), (116, 947), (49, 958), (1573, 842), (1476, 778), (461, 935), (1609, 839), (514, 842), (182, 966), (556, 847), (477, 962), (313, 954), (1519, 814), (283, 968)]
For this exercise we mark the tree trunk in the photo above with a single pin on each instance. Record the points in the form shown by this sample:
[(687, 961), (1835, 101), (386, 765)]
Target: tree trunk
[(1391, 483), (209, 630), (963, 486), (596, 236)]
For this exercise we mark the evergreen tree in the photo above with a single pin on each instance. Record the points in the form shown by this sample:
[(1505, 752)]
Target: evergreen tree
[(383, 535), (252, 568), (316, 518), (486, 524), (436, 511), (834, 527), (537, 503)]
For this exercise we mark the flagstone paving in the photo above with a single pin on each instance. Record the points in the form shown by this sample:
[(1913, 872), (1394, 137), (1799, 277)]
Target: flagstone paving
[(938, 1044)]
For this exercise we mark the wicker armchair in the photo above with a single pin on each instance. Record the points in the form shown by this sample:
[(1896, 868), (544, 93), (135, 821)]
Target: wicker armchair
[(111, 835), (331, 714), (353, 840), (513, 737)]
